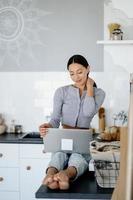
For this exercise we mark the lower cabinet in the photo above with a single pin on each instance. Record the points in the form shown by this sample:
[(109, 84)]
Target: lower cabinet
[(9, 195), (33, 164), (22, 169), (32, 172), (9, 171), (9, 179)]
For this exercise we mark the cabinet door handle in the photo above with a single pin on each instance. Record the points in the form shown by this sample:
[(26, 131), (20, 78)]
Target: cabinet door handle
[(1, 155), (1, 179), (43, 151), (28, 167)]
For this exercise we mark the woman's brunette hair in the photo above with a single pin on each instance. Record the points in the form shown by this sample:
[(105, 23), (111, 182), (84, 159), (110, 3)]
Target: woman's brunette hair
[(79, 59)]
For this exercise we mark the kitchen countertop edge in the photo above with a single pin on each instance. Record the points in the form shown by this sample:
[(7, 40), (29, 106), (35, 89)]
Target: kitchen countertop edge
[(15, 139)]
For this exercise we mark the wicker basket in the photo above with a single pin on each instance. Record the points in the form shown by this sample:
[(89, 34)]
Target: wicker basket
[(106, 173)]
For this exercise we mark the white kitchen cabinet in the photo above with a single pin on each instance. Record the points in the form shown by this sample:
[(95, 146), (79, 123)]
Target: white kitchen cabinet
[(9, 171), (9, 195), (33, 163), (32, 172), (9, 155), (22, 168), (9, 179), (33, 151)]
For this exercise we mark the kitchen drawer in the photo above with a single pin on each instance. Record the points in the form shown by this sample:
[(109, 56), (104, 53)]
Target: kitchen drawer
[(33, 151), (9, 195), (9, 155), (9, 179), (32, 172)]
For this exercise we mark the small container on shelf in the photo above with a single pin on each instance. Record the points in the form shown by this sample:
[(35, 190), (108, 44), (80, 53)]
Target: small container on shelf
[(117, 34), (111, 28)]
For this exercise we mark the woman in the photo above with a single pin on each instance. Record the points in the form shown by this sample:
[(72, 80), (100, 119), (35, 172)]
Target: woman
[(74, 106)]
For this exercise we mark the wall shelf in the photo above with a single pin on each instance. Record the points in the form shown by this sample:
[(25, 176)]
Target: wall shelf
[(118, 42)]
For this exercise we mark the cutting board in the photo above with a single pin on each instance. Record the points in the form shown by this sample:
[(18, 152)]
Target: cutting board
[(120, 190)]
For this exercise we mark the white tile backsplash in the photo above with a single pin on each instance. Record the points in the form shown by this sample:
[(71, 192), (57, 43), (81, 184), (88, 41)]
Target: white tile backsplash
[(28, 97)]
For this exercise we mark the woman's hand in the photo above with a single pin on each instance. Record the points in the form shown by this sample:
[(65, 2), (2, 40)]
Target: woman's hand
[(43, 129), (89, 85), (89, 82)]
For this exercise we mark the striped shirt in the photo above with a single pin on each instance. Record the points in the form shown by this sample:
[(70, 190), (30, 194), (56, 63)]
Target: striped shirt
[(74, 110)]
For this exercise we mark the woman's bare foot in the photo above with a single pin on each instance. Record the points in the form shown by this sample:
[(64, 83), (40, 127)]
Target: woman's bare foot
[(62, 179), (50, 182), (49, 179), (59, 180)]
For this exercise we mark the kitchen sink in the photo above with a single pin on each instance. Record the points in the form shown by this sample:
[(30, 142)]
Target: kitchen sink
[(30, 135)]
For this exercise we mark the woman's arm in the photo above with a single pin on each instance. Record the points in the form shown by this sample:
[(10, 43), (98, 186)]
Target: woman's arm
[(93, 103), (57, 108), (89, 85)]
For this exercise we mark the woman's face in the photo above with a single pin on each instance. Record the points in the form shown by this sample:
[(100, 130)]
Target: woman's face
[(78, 74)]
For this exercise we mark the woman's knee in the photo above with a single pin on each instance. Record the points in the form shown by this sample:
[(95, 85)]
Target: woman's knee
[(79, 162), (59, 154)]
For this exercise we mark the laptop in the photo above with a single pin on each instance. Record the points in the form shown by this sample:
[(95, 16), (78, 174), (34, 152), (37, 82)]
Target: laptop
[(67, 140)]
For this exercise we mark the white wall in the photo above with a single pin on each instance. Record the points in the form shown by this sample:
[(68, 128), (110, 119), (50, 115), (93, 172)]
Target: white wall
[(27, 97)]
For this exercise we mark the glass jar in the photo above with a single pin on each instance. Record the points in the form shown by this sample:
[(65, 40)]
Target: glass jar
[(18, 128), (117, 34), (12, 126)]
